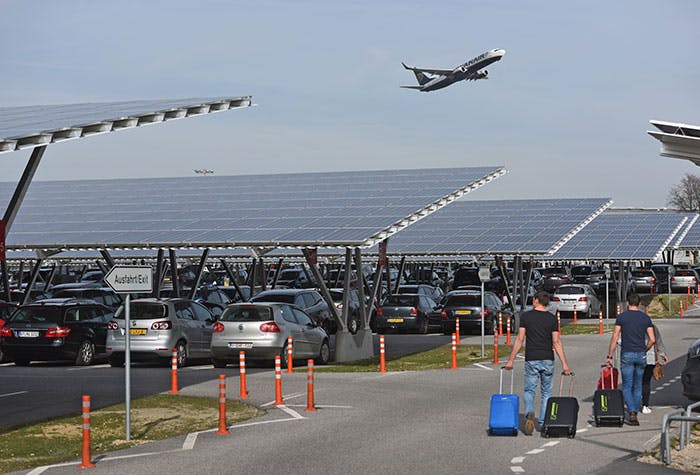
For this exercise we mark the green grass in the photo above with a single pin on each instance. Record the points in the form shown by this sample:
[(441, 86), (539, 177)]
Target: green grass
[(437, 358), (582, 329), (657, 305), (152, 418)]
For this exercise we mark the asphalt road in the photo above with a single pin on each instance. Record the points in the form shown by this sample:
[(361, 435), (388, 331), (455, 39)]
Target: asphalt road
[(410, 422)]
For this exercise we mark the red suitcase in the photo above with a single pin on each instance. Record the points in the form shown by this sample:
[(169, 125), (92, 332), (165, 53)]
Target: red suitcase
[(608, 378)]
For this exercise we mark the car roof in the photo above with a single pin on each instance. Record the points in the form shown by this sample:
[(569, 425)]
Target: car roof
[(61, 302), (283, 291)]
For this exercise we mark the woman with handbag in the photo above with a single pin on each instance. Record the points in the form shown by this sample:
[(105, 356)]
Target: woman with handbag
[(656, 358)]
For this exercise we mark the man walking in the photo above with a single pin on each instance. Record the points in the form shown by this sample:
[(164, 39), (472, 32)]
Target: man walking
[(539, 331), (637, 338)]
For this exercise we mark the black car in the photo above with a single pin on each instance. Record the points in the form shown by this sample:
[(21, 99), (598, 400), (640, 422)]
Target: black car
[(435, 293), (104, 295), (212, 297), (466, 305), (306, 299), (469, 276), (6, 309), (56, 329), (690, 376), (581, 273), (406, 312), (555, 276), (354, 315), (645, 281)]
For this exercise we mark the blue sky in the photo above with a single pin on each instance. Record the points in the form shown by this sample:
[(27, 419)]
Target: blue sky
[(565, 111)]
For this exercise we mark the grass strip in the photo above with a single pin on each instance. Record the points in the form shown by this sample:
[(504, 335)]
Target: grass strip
[(658, 305), (583, 329), (152, 418)]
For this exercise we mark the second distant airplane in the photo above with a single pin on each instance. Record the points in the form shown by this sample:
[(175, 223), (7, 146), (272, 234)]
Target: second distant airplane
[(469, 71)]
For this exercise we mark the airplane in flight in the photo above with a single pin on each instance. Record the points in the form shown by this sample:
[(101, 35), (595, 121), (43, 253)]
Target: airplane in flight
[(204, 171), (469, 71)]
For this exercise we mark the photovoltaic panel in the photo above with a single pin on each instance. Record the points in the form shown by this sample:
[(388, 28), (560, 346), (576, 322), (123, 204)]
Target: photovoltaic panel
[(31, 126), (497, 227), (289, 210), (691, 235), (616, 235)]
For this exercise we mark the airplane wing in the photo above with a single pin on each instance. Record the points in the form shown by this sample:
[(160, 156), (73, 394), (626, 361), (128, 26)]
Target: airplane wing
[(441, 72)]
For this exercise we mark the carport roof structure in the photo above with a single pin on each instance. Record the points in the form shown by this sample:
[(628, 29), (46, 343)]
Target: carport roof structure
[(27, 127), (335, 209), (678, 140), (690, 237), (624, 235)]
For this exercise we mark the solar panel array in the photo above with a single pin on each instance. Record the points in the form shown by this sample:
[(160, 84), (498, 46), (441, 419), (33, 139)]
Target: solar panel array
[(691, 237), (498, 227), (623, 236), (313, 209), (31, 126)]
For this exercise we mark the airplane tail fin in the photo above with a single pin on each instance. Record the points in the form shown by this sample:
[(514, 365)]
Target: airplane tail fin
[(421, 77)]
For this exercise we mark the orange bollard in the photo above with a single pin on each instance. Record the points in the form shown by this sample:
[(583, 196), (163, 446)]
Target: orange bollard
[(457, 329), (222, 406), (500, 323), (558, 322), (241, 363), (508, 331), (278, 381), (173, 372), (86, 458), (495, 347), (600, 323), (575, 319), (680, 306), (290, 355), (454, 351), (310, 406), (382, 356)]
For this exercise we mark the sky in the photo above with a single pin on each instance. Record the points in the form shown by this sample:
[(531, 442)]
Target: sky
[(565, 111)]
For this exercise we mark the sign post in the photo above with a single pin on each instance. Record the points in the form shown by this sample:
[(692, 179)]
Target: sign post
[(128, 280), (484, 276), (607, 297)]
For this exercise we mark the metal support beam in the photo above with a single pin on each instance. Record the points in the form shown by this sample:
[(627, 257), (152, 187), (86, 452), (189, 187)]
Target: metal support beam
[(173, 273), (346, 288), (277, 272), (387, 274), (253, 276), (49, 279), (263, 272), (159, 274), (5, 280), (107, 257), (375, 289), (32, 281), (402, 266), (200, 269), (20, 275), (234, 281), (313, 265), (22, 187), (361, 290)]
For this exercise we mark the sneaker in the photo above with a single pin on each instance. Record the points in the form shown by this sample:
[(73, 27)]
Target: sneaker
[(633, 419), (646, 410), (530, 423)]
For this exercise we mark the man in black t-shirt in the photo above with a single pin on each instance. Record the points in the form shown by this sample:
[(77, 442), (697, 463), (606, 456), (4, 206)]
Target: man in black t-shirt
[(637, 338), (539, 331)]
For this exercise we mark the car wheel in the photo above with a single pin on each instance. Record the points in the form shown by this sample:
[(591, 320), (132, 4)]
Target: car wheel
[(116, 361), (589, 314), (218, 363), (353, 324), (423, 327), (283, 357), (182, 356), (324, 354), (86, 354), (21, 362)]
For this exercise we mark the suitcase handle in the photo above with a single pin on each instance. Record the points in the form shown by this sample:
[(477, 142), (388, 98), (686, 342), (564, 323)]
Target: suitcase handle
[(500, 382), (571, 383), (612, 370)]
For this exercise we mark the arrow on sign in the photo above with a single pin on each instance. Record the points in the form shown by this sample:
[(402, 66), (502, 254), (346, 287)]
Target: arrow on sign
[(130, 279)]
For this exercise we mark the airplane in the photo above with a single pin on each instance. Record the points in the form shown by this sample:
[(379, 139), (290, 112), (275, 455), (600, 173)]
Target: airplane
[(444, 77), (204, 171)]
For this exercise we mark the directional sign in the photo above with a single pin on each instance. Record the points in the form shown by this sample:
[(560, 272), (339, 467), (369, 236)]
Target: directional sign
[(130, 279)]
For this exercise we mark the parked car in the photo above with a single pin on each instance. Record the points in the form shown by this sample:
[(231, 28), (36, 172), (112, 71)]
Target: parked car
[(56, 329), (683, 280), (466, 305), (103, 295), (554, 277), (580, 297), (580, 273), (306, 299), (213, 298), (295, 278), (157, 327), (262, 329), (426, 276), (690, 376), (354, 315), (435, 293), (645, 281), (470, 276), (664, 273), (6, 309), (406, 312)]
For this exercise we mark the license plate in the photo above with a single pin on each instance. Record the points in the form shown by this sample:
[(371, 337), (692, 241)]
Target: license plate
[(395, 320), (26, 334), (463, 312), (138, 331), (244, 346)]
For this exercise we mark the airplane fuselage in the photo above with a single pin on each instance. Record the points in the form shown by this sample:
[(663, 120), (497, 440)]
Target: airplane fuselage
[(468, 70)]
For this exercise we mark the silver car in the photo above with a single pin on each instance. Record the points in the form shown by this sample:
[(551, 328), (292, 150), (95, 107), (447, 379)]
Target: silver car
[(157, 327), (580, 297), (261, 330), (683, 280)]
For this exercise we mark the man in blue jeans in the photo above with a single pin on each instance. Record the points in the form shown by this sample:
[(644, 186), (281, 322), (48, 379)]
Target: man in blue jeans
[(540, 333), (637, 338)]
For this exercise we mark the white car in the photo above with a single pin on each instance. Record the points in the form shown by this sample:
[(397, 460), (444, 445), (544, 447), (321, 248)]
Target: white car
[(579, 297)]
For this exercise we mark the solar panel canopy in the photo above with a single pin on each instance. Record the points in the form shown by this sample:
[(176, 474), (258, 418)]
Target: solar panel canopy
[(690, 239), (618, 235), (32, 126), (286, 210), (498, 227)]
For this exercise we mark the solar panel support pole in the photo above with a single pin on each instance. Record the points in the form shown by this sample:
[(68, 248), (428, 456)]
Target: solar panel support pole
[(159, 273), (5, 280), (22, 187), (387, 273), (508, 293), (107, 257), (313, 265), (277, 272), (234, 281), (200, 269), (20, 275), (375, 289), (402, 266), (173, 273), (32, 281), (346, 288), (308, 276), (361, 289), (47, 284)]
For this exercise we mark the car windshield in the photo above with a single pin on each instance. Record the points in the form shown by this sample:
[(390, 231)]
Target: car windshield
[(399, 299), (283, 298), (144, 311), (570, 290), (463, 301), (37, 315), (247, 313)]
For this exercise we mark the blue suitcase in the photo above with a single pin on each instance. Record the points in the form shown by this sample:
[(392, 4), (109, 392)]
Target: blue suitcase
[(503, 414)]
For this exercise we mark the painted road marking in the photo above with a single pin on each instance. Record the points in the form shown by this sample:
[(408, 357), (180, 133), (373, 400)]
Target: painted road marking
[(83, 368), (515, 460), (517, 469), (190, 441), (322, 406), (555, 442), (534, 452), (13, 394), (290, 396), (482, 366)]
